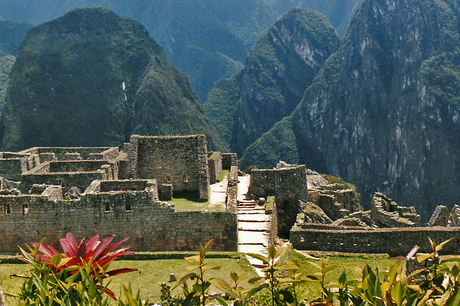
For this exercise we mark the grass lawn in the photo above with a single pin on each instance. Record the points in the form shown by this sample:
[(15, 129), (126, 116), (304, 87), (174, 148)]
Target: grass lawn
[(157, 271), (223, 174), (153, 273)]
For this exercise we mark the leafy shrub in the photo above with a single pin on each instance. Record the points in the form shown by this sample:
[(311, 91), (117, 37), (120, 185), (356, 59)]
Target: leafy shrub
[(73, 278)]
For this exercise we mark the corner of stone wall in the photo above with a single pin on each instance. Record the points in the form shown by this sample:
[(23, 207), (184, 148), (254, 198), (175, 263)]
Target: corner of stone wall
[(133, 150), (232, 190)]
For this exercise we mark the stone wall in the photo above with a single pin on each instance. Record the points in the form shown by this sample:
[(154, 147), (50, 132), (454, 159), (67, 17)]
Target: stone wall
[(262, 182), (178, 160), (152, 225), (229, 160), (67, 180), (12, 168), (85, 153), (288, 185), (214, 166), (76, 166), (232, 190), (334, 200), (395, 242), (385, 213)]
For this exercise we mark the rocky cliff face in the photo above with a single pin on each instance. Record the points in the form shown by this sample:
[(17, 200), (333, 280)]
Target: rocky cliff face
[(11, 35), (282, 64), (92, 78), (383, 112)]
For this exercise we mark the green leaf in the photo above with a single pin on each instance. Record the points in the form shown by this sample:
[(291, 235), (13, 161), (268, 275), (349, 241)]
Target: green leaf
[(220, 300), (259, 257), (327, 269), (314, 265), (439, 247), (398, 293), (255, 279), (286, 296), (257, 289), (423, 257), (195, 258), (201, 288), (222, 285), (211, 268), (272, 252), (184, 279), (455, 299), (241, 277), (190, 268), (343, 279), (234, 276), (56, 260), (393, 272)]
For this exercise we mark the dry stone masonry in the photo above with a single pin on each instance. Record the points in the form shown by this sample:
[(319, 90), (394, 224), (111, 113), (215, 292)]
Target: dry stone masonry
[(47, 192)]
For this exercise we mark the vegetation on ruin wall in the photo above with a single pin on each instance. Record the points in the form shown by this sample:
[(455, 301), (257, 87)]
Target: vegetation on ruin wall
[(331, 179)]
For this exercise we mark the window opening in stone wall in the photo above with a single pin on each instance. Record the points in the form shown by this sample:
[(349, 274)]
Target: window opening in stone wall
[(185, 179), (168, 178), (127, 206), (7, 209), (25, 209), (106, 207)]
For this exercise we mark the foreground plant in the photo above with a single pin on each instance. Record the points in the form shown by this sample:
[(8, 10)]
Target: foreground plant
[(73, 278), (199, 292)]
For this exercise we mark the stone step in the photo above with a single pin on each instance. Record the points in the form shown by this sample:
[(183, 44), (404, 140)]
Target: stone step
[(244, 208), (251, 213)]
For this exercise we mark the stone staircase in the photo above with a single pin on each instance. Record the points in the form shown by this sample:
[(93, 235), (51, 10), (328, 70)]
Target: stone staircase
[(253, 231)]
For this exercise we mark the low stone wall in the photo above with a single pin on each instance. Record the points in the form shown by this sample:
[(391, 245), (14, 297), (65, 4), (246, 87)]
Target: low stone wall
[(66, 180), (152, 225), (395, 242), (74, 166), (86, 153)]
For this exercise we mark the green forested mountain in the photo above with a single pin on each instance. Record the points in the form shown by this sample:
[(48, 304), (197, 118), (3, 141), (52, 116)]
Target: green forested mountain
[(92, 78), (282, 64), (11, 35), (193, 33), (383, 113)]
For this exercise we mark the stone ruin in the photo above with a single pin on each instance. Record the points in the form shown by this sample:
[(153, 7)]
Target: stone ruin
[(109, 186), (50, 191), (333, 220)]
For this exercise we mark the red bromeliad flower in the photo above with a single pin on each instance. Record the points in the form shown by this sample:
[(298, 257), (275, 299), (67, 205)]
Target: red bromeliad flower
[(98, 252)]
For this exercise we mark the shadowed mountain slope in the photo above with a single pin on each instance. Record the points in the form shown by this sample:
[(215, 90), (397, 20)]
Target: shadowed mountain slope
[(92, 78)]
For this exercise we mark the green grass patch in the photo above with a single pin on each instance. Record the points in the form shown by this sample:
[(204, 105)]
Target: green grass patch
[(190, 201), (153, 272), (223, 174), (269, 203)]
